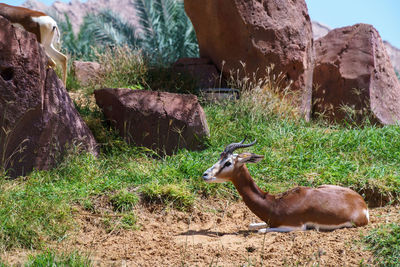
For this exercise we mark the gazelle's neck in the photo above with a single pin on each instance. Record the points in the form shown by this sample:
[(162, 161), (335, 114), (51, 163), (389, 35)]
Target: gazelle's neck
[(258, 201)]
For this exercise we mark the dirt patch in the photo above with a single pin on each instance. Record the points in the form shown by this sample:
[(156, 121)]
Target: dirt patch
[(215, 233)]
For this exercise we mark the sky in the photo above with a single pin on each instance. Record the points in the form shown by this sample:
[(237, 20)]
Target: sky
[(384, 15)]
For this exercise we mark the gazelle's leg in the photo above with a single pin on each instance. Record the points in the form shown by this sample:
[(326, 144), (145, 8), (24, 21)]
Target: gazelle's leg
[(61, 59), (283, 229), (51, 62), (257, 226), (47, 33)]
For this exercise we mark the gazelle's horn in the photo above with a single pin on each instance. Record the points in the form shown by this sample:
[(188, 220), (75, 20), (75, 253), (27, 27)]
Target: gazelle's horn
[(232, 147)]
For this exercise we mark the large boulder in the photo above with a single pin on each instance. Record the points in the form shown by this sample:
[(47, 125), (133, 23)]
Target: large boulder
[(37, 118), (160, 121), (258, 34), (320, 30), (354, 78)]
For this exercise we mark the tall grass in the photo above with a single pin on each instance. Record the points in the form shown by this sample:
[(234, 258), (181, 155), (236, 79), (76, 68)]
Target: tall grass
[(123, 67), (127, 68)]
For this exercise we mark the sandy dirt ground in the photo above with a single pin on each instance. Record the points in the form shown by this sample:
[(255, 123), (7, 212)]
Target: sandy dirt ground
[(214, 234)]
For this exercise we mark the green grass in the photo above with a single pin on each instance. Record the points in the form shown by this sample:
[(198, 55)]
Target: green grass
[(126, 68), (384, 241), (39, 208), (179, 196), (124, 200), (51, 258)]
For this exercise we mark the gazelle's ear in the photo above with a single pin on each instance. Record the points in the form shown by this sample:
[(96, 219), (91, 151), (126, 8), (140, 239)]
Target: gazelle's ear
[(248, 158)]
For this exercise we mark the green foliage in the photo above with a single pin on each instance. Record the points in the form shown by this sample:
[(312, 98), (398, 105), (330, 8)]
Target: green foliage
[(31, 216), (398, 74), (129, 221), (107, 30), (384, 241), (164, 33), (51, 258), (169, 194), (127, 68), (167, 33), (299, 153), (124, 200), (77, 46), (123, 67), (37, 208)]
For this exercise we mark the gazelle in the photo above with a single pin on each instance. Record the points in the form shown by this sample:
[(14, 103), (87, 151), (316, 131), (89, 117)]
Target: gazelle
[(327, 207), (43, 26)]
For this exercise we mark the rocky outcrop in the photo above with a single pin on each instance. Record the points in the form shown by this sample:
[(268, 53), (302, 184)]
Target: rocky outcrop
[(201, 70), (320, 30), (258, 34), (164, 122), (38, 120), (85, 71), (354, 77)]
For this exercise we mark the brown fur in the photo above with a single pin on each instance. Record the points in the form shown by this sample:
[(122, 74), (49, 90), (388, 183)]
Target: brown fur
[(45, 32), (327, 204), (12, 13)]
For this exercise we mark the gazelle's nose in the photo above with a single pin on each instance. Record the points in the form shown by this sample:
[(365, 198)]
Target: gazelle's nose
[(205, 175)]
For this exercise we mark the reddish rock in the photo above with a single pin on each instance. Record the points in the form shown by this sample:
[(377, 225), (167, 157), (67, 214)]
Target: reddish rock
[(160, 121), (202, 70), (37, 118), (258, 33), (86, 71), (353, 70), (320, 30)]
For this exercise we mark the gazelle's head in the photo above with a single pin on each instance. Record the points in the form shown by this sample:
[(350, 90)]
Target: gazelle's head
[(229, 163)]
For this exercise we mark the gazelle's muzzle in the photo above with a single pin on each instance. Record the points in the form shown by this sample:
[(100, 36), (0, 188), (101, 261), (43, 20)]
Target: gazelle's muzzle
[(207, 175)]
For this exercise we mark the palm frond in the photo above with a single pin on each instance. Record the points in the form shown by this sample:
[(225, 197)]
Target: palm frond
[(164, 33)]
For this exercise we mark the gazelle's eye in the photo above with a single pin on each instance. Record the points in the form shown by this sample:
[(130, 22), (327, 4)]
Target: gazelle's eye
[(227, 164)]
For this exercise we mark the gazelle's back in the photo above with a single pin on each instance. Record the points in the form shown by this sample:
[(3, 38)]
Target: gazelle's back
[(327, 205)]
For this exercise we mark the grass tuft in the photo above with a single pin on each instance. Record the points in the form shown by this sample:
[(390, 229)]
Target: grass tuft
[(123, 68), (124, 200), (384, 241), (51, 258), (178, 196)]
